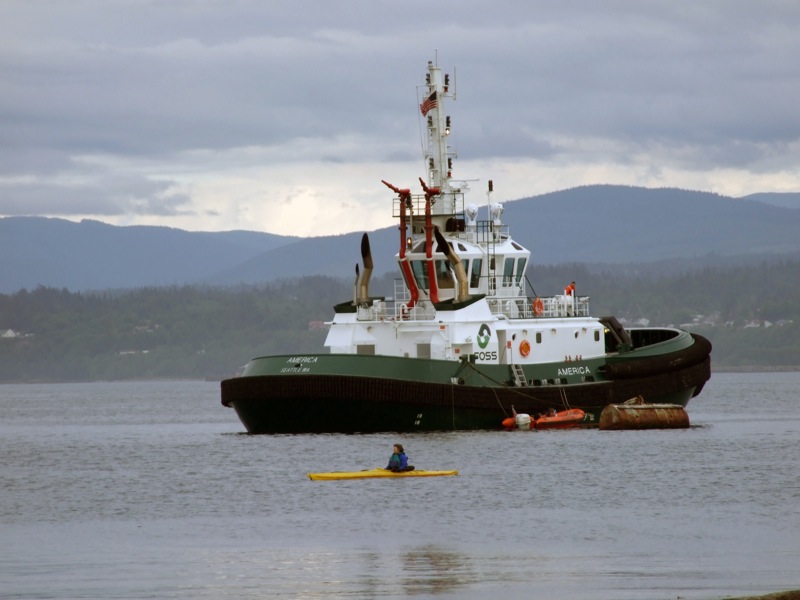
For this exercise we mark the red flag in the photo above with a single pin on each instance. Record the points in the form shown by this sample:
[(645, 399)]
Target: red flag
[(430, 102)]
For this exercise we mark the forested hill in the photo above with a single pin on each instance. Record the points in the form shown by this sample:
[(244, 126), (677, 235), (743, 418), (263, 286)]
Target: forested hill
[(37, 251), (591, 224), (751, 314)]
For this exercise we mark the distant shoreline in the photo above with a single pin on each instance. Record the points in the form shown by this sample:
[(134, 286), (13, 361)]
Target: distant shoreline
[(790, 595), (212, 379), (754, 368)]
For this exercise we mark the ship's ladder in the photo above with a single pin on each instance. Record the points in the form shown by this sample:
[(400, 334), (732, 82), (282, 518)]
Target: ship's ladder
[(519, 375)]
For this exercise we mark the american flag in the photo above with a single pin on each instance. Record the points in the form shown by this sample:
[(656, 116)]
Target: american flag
[(430, 102)]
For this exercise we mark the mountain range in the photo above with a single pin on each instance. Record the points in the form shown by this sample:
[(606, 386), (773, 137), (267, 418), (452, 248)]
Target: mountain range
[(591, 224)]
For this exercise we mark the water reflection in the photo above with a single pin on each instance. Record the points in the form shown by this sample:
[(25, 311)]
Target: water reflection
[(432, 570)]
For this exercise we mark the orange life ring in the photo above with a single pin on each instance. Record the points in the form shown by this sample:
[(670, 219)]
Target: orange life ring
[(538, 307), (524, 348)]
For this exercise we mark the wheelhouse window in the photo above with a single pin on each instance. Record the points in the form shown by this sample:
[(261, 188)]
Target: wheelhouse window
[(444, 275), (508, 271), (475, 274), (520, 269), (420, 274)]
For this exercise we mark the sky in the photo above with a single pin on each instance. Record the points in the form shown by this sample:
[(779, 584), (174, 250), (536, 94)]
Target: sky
[(284, 116)]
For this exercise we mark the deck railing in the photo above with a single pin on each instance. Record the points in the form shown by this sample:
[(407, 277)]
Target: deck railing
[(525, 307), (510, 307)]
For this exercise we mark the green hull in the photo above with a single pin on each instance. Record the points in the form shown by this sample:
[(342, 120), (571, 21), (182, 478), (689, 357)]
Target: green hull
[(360, 393)]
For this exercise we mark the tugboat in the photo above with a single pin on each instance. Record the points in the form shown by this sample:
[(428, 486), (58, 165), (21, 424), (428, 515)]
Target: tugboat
[(460, 341)]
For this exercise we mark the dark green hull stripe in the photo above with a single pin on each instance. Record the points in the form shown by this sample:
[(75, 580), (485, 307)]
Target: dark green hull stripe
[(311, 403)]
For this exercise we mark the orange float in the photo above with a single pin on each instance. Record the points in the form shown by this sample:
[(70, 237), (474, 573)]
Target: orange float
[(524, 348), (538, 307)]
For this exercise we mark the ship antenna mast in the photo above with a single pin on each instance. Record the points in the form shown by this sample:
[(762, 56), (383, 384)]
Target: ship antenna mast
[(438, 155)]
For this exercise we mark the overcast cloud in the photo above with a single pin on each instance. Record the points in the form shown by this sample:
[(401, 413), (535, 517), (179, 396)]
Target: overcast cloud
[(284, 116)]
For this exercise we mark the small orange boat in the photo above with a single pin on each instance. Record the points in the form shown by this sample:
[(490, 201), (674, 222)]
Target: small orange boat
[(562, 419)]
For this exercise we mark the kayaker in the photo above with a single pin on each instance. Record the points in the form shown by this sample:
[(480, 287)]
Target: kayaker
[(398, 461)]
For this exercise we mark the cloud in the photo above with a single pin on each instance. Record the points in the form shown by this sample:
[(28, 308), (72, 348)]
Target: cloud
[(275, 116), (98, 194)]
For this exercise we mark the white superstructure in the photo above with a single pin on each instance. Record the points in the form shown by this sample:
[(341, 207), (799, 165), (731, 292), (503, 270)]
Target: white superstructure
[(463, 290)]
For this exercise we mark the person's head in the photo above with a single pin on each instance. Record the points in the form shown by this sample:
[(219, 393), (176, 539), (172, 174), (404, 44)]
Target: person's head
[(398, 448)]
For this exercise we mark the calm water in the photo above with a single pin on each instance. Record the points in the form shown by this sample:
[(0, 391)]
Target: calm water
[(151, 490)]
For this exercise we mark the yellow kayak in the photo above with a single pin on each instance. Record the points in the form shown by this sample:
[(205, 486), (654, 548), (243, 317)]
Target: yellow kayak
[(372, 473)]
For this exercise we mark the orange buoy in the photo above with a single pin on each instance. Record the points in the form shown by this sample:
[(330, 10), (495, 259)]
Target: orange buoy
[(524, 348), (509, 423), (538, 307)]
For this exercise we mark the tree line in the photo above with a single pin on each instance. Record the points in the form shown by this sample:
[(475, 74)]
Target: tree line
[(750, 313)]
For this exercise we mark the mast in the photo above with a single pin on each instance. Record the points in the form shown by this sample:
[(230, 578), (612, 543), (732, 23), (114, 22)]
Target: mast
[(438, 154), (439, 207)]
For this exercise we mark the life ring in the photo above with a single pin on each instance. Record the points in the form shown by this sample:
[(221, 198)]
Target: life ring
[(538, 307), (524, 348)]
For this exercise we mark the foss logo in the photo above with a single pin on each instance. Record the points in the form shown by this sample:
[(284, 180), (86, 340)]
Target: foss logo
[(484, 335)]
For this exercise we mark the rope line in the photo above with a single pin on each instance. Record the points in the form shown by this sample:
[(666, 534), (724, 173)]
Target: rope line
[(514, 390)]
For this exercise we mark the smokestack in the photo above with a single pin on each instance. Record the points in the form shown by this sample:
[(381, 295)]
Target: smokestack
[(462, 292), (355, 287), (366, 256)]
